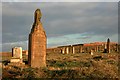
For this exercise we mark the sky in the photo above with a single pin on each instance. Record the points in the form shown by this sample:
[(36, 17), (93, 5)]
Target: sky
[(65, 23)]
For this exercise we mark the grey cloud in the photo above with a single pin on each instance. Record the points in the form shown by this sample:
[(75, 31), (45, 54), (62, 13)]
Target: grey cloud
[(83, 22), (14, 28), (99, 26), (59, 19), (9, 46)]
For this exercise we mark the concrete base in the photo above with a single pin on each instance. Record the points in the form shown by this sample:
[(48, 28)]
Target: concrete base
[(16, 60)]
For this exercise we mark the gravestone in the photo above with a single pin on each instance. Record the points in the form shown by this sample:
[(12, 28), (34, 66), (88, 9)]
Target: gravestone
[(37, 43), (108, 45), (16, 55), (73, 48), (80, 49), (16, 59), (63, 50), (67, 50), (91, 52)]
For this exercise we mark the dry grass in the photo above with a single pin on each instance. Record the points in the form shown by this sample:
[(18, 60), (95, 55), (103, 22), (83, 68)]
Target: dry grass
[(71, 66)]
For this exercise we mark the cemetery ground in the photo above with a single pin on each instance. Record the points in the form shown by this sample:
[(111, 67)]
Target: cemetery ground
[(82, 65)]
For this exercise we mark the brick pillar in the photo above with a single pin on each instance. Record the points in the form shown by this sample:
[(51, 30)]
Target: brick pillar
[(80, 49)]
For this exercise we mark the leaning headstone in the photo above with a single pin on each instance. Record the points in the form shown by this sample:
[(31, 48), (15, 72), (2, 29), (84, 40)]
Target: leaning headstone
[(97, 58), (37, 43)]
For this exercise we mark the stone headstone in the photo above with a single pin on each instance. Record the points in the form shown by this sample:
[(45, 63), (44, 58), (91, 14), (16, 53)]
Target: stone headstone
[(16, 55), (17, 52), (37, 43), (16, 59)]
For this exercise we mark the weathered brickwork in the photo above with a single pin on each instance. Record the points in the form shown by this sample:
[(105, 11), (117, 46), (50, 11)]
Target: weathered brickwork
[(37, 43)]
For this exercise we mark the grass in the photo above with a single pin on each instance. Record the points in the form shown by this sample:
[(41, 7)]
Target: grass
[(68, 64), (6, 58), (71, 66), (0, 71)]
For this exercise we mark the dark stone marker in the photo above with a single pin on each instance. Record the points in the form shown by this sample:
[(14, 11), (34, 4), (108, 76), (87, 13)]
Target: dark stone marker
[(108, 45), (37, 43)]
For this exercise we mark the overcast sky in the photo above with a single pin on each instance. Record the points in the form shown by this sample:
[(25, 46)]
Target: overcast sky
[(64, 23)]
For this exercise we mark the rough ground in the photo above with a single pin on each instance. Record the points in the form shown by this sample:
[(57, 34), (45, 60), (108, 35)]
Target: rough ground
[(100, 66)]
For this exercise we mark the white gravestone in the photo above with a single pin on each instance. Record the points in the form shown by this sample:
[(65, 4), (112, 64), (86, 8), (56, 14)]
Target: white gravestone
[(16, 54)]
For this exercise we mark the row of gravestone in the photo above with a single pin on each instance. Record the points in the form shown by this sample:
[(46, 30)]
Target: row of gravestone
[(37, 45)]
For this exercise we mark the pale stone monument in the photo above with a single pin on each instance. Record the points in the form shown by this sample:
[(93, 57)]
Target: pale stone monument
[(63, 50), (91, 52), (16, 55), (37, 43), (67, 50), (73, 50)]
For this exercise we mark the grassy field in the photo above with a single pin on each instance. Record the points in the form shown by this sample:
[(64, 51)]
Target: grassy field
[(83, 65)]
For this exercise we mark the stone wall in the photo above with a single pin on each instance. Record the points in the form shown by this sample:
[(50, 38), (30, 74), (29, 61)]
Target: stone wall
[(97, 47)]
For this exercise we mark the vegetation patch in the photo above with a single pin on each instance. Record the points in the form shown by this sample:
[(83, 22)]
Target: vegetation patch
[(68, 66), (5, 62)]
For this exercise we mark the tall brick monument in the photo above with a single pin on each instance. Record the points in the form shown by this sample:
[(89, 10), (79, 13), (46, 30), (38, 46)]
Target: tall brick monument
[(37, 43)]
